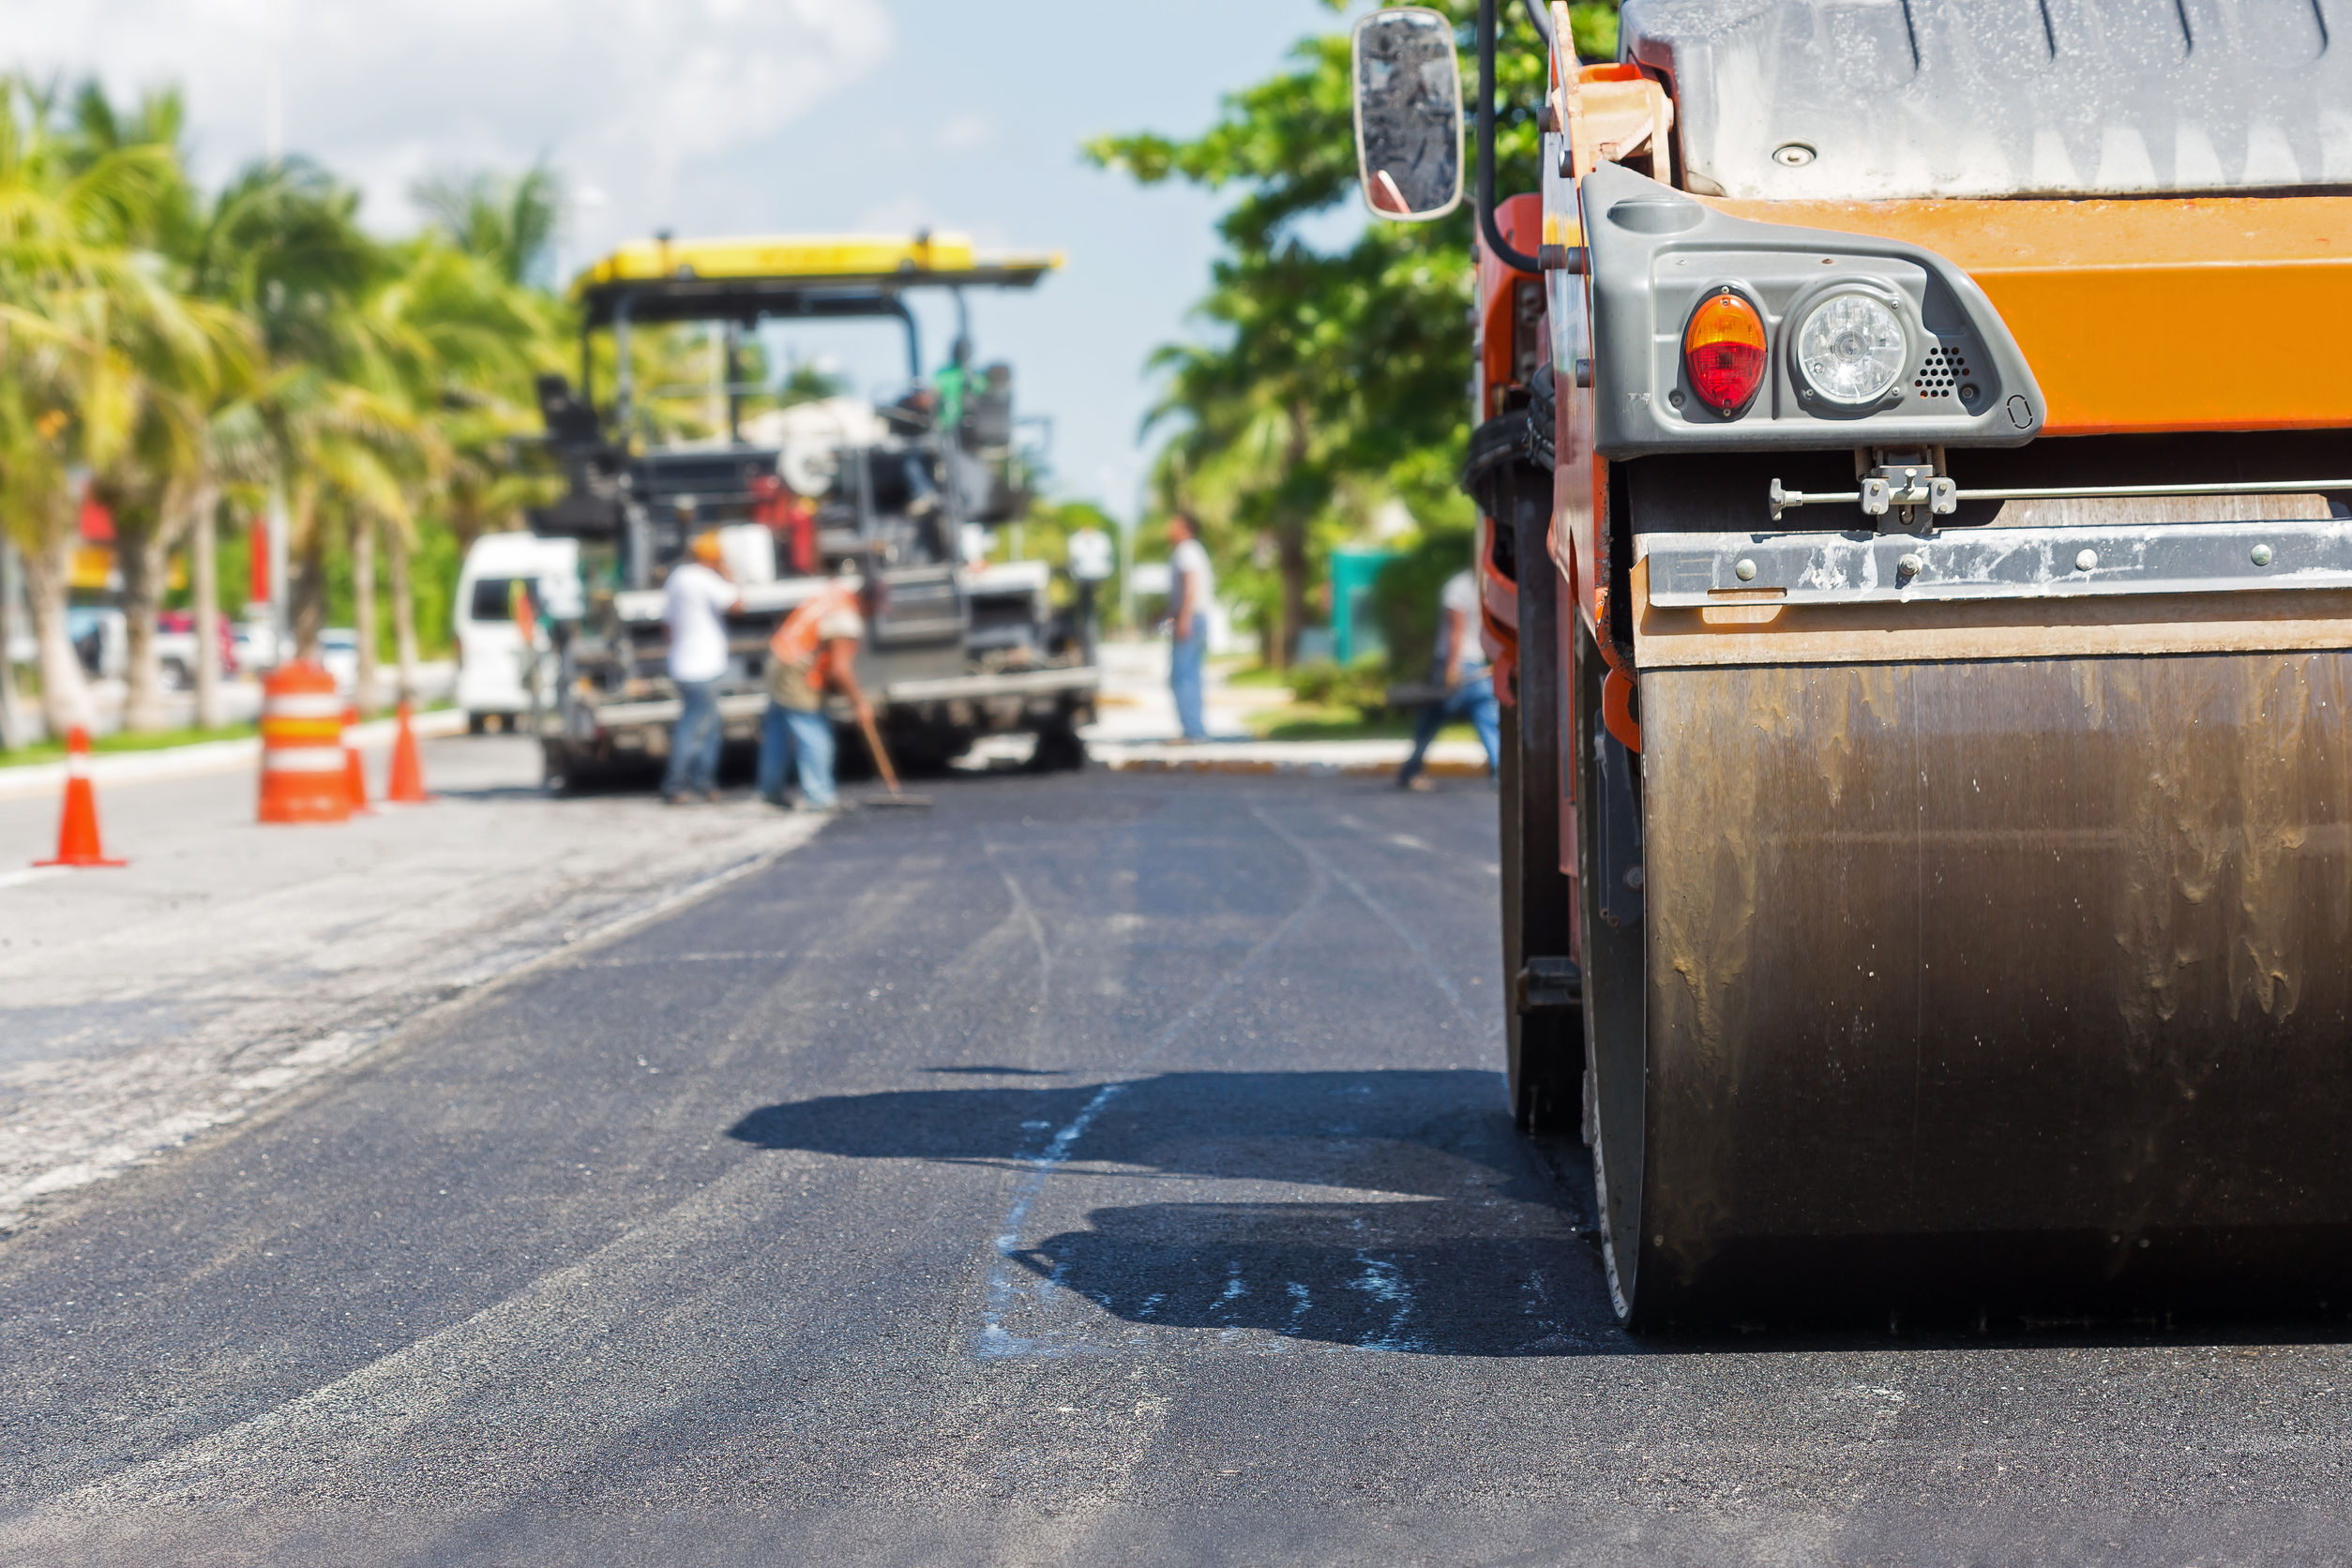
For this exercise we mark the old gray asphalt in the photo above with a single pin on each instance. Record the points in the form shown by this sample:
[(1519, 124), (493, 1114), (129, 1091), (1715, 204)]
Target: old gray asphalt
[(1096, 1170)]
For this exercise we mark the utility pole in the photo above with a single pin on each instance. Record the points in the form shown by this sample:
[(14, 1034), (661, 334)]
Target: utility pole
[(281, 601), (274, 85)]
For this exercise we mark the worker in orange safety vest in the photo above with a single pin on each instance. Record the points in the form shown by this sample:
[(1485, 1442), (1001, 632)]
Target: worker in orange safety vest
[(812, 654)]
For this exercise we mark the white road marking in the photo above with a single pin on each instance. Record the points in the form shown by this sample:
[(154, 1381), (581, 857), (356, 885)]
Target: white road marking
[(32, 874), (1004, 1291)]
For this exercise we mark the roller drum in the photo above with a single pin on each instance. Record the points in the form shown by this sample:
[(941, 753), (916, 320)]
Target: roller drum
[(1988, 981)]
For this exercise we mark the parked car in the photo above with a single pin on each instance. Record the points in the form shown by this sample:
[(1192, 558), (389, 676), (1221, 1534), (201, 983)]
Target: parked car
[(175, 649), (256, 645), (338, 650), (101, 639)]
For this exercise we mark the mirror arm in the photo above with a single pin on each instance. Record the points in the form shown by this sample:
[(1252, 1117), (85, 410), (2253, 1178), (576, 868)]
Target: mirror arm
[(1540, 23), (1509, 255)]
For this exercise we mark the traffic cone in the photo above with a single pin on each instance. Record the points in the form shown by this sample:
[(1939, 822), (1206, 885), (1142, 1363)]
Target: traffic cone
[(406, 787), (78, 829), (355, 771)]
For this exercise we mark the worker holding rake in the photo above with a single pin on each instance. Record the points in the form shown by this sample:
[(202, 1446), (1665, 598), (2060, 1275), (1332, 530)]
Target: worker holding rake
[(812, 654)]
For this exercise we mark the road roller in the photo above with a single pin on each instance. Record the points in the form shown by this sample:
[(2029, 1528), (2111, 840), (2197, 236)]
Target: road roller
[(1911, 450)]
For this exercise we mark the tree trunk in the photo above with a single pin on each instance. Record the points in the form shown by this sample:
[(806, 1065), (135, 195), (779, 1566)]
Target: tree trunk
[(1290, 526), (204, 583), (64, 695), (403, 612), (1291, 555), (12, 729), (363, 585), (145, 554)]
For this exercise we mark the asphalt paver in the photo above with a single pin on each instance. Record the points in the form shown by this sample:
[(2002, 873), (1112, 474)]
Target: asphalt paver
[(1092, 1168)]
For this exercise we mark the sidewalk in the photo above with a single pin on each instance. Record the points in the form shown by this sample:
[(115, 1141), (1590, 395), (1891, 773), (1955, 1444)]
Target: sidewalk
[(229, 962), (1137, 725)]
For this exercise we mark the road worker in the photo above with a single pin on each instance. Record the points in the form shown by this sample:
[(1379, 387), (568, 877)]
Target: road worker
[(814, 653), (699, 598), (1463, 679)]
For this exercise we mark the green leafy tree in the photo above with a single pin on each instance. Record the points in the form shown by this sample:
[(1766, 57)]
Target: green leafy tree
[(1328, 380)]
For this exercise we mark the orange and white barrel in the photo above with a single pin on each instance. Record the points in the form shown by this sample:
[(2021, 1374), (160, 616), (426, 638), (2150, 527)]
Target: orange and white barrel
[(302, 747)]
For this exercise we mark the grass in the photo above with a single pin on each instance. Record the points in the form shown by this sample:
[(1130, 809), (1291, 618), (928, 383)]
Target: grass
[(1308, 721), (153, 740)]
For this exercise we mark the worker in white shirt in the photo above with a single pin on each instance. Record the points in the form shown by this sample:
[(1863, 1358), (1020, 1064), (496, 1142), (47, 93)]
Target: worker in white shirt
[(1189, 588), (700, 597)]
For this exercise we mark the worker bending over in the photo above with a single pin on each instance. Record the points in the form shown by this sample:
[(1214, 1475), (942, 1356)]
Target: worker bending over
[(813, 652)]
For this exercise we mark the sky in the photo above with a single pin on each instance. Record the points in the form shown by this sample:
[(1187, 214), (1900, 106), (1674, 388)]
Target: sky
[(756, 117)]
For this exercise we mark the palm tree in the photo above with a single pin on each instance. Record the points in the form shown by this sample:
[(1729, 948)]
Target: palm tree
[(478, 340), (83, 312), (193, 424), (509, 222), (282, 244), (483, 331)]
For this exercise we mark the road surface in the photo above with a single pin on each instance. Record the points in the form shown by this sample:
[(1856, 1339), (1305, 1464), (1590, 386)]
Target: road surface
[(1094, 1168)]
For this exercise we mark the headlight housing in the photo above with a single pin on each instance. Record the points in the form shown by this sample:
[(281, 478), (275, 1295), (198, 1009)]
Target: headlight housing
[(1851, 348)]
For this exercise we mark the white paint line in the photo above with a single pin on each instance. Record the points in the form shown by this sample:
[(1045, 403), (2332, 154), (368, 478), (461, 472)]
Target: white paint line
[(994, 1340), (1384, 1283), (32, 874)]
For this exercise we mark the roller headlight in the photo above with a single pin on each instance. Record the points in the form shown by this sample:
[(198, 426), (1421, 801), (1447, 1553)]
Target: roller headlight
[(1851, 348)]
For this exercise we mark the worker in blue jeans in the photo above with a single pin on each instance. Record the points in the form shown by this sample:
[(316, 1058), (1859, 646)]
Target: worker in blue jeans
[(813, 652), (697, 600), (1190, 585), (1469, 685)]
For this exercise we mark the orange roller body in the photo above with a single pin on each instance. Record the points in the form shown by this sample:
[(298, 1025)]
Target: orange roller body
[(1926, 820)]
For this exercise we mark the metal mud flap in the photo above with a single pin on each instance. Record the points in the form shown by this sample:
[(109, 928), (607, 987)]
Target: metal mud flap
[(1618, 832)]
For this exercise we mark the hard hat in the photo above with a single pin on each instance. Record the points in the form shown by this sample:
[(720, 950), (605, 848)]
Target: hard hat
[(706, 547)]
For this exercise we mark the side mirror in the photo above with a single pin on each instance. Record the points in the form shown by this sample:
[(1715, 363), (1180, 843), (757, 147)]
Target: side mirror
[(1409, 115)]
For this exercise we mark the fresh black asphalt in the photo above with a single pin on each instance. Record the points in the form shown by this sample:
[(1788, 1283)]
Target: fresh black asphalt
[(1092, 1168)]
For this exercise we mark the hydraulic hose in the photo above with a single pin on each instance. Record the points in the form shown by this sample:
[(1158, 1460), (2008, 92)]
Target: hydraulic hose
[(1504, 251)]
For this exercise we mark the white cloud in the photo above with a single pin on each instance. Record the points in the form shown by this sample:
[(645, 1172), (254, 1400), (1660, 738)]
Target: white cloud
[(900, 215), (965, 133), (629, 97)]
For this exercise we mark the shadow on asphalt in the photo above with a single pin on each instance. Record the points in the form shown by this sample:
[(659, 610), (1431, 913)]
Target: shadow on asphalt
[(1446, 1233)]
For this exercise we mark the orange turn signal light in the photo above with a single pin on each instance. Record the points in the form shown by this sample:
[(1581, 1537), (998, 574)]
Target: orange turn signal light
[(1722, 350)]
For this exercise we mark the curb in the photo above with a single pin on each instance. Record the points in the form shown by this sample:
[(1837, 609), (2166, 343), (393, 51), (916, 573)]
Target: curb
[(1269, 766), (205, 756)]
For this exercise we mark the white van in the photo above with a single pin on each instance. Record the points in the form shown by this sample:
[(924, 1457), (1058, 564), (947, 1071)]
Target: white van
[(490, 647)]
